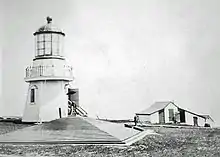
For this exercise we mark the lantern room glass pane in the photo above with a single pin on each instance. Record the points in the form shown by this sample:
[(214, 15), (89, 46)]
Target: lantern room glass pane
[(47, 48), (61, 45), (55, 44), (36, 45), (40, 37), (55, 38), (41, 52), (40, 45), (55, 50), (47, 37)]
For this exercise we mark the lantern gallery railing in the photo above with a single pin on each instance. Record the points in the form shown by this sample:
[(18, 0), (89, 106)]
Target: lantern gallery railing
[(44, 71)]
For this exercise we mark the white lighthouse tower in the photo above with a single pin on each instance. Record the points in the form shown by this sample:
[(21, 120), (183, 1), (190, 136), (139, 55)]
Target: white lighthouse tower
[(49, 77)]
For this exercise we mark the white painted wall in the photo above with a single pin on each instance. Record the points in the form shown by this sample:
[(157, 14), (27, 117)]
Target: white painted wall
[(189, 119), (50, 97), (209, 121), (144, 118), (31, 111), (49, 62), (53, 97), (166, 112), (60, 68), (154, 118)]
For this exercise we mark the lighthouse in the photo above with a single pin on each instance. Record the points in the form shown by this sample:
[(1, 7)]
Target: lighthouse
[(50, 93)]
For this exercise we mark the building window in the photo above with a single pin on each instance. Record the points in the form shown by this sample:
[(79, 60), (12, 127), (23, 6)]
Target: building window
[(171, 115), (32, 95)]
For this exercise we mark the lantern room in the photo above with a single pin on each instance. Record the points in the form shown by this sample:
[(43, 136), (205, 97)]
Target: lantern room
[(49, 41)]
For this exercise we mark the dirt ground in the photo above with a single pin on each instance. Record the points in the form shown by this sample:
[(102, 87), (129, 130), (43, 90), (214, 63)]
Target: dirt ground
[(171, 142)]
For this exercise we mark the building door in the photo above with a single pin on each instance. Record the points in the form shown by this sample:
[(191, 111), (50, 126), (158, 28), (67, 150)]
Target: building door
[(195, 121), (161, 116), (182, 116), (171, 115)]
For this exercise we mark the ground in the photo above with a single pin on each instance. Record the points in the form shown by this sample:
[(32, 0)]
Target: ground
[(171, 142), (6, 127)]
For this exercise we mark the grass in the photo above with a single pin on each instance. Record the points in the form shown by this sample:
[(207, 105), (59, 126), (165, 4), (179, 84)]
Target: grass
[(6, 127), (182, 142), (171, 142)]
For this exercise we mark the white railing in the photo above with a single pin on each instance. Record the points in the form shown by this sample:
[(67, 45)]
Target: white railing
[(47, 71)]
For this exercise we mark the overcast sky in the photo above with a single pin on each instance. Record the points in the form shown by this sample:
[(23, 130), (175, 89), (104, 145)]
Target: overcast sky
[(126, 54)]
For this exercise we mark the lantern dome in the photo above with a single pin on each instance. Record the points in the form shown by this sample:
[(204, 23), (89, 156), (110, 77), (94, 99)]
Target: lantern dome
[(49, 28)]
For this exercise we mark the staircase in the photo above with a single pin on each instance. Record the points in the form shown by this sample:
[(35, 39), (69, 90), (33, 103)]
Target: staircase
[(76, 110)]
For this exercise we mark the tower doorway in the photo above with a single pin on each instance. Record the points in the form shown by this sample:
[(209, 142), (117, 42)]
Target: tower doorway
[(73, 102), (73, 95)]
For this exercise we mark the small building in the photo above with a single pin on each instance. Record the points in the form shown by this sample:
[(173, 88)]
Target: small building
[(168, 112)]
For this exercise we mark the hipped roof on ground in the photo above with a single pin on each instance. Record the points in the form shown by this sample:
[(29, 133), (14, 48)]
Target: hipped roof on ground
[(73, 130)]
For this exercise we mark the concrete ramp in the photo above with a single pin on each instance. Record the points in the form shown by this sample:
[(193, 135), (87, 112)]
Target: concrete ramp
[(117, 130), (72, 130)]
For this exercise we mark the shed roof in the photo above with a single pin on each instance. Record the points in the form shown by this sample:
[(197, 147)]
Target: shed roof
[(208, 117)]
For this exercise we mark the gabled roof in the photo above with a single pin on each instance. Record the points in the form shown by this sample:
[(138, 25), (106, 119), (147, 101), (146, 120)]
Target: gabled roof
[(155, 107)]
